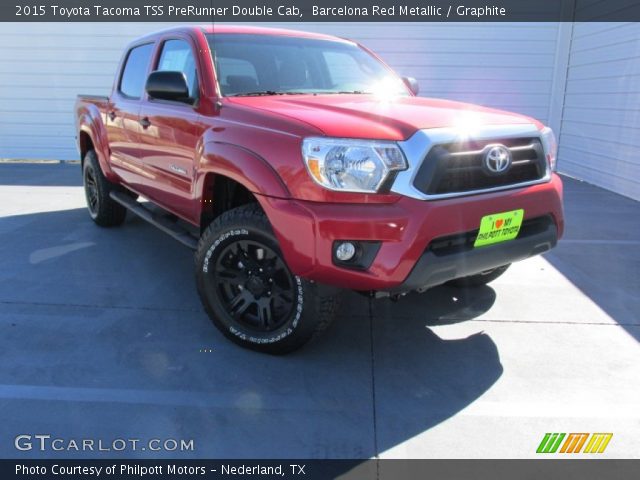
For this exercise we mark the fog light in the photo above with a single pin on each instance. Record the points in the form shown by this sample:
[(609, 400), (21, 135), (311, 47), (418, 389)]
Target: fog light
[(345, 251)]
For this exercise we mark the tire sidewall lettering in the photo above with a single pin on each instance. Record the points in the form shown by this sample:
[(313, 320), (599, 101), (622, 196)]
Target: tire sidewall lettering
[(286, 330), (219, 240)]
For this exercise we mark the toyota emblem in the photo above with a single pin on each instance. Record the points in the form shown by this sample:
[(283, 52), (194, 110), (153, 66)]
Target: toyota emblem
[(497, 158)]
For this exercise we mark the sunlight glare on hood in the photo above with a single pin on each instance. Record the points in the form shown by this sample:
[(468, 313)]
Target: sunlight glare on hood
[(467, 124), (387, 89)]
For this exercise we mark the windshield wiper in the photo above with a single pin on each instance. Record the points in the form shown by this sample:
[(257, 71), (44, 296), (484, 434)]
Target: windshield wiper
[(263, 93), (255, 94), (345, 92)]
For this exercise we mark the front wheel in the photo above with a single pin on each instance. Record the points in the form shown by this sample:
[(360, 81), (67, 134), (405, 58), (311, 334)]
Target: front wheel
[(248, 290)]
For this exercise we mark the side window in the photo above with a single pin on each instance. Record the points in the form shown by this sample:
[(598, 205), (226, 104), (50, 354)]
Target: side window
[(177, 56), (134, 74)]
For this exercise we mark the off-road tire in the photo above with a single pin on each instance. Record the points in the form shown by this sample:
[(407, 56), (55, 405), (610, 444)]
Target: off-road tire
[(104, 211), (235, 286)]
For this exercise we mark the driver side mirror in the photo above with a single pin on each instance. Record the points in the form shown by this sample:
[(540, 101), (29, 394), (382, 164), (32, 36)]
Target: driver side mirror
[(412, 84), (168, 85)]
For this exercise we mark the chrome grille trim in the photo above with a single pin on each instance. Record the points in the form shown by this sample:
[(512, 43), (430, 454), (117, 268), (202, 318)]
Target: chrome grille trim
[(478, 152), (418, 146)]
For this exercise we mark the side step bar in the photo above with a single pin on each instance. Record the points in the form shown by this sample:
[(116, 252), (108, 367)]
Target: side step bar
[(176, 231)]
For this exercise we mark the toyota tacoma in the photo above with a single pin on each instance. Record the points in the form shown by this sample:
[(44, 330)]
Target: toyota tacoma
[(297, 164)]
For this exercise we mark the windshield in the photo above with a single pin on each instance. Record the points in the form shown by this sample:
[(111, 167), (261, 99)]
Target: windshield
[(279, 65)]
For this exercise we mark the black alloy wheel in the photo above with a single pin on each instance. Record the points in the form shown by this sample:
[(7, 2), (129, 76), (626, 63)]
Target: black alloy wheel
[(104, 211), (254, 285), (248, 290), (91, 190)]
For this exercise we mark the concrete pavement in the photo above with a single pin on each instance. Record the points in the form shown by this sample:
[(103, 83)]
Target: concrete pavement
[(104, 338)]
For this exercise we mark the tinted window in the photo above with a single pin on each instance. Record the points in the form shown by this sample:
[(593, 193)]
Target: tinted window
[(235, 70), (134, 75), (344, 69), (177, 56), (272, 64)]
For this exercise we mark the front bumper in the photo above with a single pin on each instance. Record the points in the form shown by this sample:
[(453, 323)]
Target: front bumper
[(439, 265), (407, 229)]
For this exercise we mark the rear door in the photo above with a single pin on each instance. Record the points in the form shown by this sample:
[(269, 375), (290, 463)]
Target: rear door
[(170, 132), (123, 116)]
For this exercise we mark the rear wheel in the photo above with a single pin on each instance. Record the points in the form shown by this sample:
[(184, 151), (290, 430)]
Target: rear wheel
[(102, 208), (248, 290), (481, 278)]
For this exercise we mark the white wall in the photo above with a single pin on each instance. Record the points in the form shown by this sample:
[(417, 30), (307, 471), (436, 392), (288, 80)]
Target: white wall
[(600, 136), (583, 78), (467, 62), (44, 66)]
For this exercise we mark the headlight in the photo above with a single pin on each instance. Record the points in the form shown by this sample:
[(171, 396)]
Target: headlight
[(550, 146), (349, 165)]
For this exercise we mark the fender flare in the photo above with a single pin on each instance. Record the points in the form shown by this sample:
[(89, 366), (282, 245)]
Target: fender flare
[(91, 125), (241, 165), (259, 177)]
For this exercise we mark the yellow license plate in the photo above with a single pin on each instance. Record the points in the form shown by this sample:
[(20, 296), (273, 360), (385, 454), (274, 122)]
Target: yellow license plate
[(499, 227)]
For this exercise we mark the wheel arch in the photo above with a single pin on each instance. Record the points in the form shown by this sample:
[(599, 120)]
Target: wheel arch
[(230, 176), (92, 136), (85, 143)]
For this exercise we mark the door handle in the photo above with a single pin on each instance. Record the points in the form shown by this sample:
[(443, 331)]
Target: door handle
[(144, 122), (112, 115)]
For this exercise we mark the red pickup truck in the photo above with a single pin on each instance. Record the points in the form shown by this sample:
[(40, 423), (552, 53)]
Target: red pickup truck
[(294, 163)]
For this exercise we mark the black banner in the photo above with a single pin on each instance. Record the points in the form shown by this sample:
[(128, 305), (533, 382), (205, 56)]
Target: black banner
[(319, 11), (578, 469)]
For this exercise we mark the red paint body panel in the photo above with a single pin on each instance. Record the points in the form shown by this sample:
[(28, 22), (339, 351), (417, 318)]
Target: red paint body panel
[(256, 141), (406, 228), (365, 116)]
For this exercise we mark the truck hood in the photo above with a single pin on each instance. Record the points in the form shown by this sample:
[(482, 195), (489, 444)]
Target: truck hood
[(368, 116)]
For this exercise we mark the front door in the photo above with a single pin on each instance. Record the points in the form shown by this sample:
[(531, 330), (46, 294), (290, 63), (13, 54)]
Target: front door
[(169, 134)]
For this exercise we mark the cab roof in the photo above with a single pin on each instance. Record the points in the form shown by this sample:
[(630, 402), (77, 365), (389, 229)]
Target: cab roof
[(252, 30), (242, 29)]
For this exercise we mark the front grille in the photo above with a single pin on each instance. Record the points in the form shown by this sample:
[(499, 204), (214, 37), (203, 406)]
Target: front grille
[(463, 242), (459, 167)]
